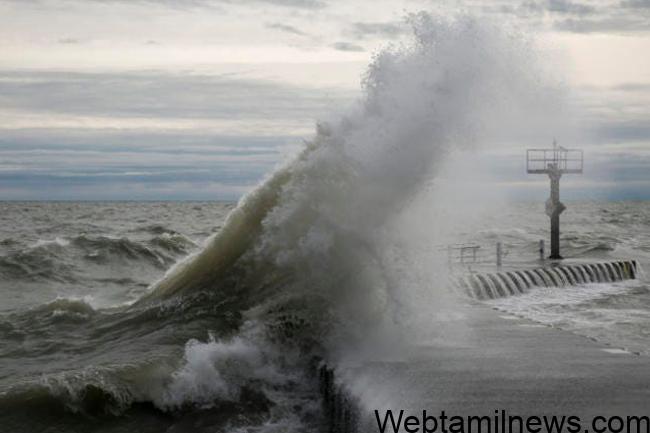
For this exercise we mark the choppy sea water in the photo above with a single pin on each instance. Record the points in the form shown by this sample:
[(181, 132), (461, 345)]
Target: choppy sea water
[(77, 355), (79, 352)]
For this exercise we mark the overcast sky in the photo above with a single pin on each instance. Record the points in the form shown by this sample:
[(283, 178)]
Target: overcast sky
[(199, 99)]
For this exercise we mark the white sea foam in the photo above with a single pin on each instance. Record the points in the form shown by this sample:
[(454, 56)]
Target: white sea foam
[(215, 371), (606, 312), (62, 242)]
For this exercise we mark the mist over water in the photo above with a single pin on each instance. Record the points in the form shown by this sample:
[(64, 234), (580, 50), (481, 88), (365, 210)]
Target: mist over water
[(336, 248)]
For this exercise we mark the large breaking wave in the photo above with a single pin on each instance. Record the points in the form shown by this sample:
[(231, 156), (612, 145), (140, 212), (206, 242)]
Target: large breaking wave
[(310, 249), (319, 217)]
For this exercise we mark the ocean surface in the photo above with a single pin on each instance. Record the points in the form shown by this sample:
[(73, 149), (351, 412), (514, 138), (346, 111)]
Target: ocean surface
[(84, 346), (77, 355)]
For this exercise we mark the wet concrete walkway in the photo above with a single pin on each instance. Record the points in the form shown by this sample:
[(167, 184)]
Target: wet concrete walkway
[(494, 361)]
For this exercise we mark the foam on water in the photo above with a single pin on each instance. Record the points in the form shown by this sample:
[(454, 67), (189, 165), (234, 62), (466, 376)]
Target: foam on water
[(56, 241), (612, 313)]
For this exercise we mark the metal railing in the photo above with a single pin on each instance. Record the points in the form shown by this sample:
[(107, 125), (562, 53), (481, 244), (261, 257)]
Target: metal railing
[(475, 254), (467, 253)]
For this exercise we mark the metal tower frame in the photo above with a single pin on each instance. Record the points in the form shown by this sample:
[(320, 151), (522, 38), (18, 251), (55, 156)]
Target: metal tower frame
[(555, 162)]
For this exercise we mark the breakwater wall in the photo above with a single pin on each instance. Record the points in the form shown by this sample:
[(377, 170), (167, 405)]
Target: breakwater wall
[(341, 411), (506, 283)]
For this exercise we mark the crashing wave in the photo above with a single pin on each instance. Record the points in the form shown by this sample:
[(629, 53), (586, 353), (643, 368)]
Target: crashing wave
[(319, 217)]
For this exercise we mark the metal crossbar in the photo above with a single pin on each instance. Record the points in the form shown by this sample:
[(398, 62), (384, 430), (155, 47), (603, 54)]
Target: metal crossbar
[(540, 161)]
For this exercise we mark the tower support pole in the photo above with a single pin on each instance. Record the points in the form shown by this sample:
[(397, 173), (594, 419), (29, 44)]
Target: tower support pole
[(553, 209), (554, 162)]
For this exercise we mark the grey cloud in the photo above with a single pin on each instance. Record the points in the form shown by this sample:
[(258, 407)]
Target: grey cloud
[(109, 140), (388, 29), (633, 87), (635, 4), (617, 24), (68, 41), (107, 163), (583, 17), (347, 46), (569, 7), (68, 164), (287, 29), (558, 7), (622, 131), (163, 95), (301, 4), (305, 4)]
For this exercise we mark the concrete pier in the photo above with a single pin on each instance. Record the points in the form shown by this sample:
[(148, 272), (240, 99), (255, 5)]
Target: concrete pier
[(498, 362)]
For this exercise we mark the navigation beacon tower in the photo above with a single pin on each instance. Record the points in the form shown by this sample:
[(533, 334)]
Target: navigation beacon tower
[(555, 162)]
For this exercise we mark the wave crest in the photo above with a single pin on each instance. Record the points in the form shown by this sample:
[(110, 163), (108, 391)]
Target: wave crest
[(318, 223)]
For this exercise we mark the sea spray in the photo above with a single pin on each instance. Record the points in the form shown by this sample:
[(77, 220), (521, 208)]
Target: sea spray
[(318, 219), (216, 371)]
